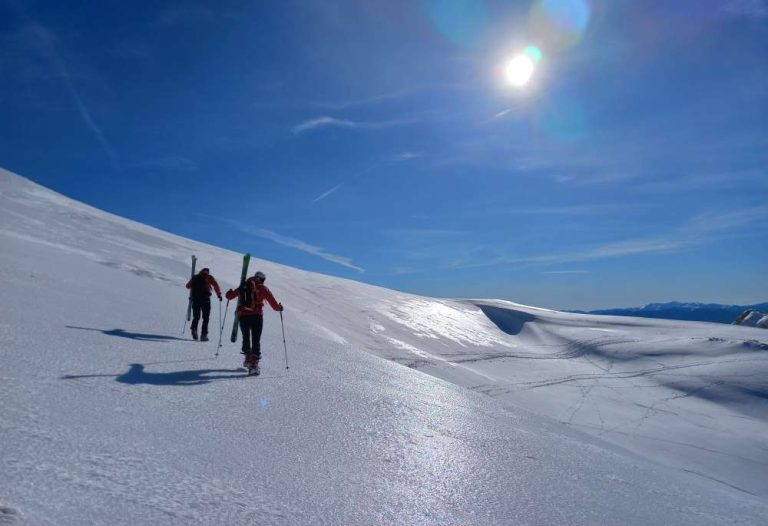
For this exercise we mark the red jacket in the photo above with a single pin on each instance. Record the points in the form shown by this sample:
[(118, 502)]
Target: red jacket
[(209, 282), (260, 294)]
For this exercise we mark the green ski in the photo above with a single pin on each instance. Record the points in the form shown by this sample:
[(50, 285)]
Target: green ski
[(246, 260), (189, 305)]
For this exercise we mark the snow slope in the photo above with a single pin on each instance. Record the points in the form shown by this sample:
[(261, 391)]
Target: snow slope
[(109, 416)]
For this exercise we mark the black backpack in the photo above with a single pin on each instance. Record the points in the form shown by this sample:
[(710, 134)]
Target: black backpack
[(199, 287), (246, 294)]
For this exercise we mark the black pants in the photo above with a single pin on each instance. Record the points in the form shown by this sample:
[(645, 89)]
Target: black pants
[(251, 327), (201, 306)]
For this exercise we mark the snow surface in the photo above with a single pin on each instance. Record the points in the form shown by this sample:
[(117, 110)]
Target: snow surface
[(108, 415)]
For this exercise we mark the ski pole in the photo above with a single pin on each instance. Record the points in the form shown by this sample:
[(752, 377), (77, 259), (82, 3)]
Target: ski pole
[(217, 349), (221, 324), (284, 345)]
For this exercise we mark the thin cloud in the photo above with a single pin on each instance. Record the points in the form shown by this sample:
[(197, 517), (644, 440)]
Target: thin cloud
[(299, 245), (610, 250), (332, 122), (697, 231), (389, 97), (184, 14), (326, 194), (571, 210), (407, 156), (750, 8), (709, 225), (171, 163), (566, 272), (322, 122), (376, 99)]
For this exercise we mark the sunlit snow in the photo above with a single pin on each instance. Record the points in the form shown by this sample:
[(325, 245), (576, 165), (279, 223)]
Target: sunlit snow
[(396, 408)]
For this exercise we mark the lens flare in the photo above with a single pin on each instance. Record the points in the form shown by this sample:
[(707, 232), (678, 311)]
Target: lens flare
[(462, 22), (559, 24), (520, 70), (535, 53)]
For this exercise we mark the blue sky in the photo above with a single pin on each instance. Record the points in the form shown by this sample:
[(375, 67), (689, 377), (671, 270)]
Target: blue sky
[(378, 139)]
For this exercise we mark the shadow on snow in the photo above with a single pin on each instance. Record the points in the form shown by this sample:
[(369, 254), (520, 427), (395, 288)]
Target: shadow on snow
[(121, 333), (137, 375), (508, 320)]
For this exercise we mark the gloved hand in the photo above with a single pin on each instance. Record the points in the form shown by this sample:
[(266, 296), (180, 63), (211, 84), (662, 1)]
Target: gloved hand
[(229, 291), (281, 307), (219, 298)]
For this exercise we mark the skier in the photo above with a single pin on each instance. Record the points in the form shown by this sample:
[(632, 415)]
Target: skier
[(200, 285), (252, 295)]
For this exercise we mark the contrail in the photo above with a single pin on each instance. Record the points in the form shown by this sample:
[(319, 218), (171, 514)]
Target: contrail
[(47, 40), (326, 194)]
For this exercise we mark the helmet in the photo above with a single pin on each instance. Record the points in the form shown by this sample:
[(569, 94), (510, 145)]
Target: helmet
[(260, 275)]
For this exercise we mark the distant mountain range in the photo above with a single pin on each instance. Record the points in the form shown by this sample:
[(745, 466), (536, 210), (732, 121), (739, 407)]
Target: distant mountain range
[(712, 312)]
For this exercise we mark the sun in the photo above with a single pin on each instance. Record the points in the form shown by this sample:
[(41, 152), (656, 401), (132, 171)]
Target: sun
[(519, 70)]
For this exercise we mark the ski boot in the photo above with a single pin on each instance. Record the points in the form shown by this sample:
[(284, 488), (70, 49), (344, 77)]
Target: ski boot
[(252, 364), (204, 338), (194, 334)]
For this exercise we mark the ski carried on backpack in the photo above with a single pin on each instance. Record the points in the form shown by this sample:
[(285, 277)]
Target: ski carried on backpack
[(189, 305), (246, 260)]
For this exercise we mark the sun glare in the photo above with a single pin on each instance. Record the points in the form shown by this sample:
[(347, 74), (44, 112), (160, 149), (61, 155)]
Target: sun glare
[(520, 70)]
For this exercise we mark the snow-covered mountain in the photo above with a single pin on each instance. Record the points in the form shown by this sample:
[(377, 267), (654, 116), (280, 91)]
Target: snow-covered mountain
[(396, 408), (674, 310), (752, 318)]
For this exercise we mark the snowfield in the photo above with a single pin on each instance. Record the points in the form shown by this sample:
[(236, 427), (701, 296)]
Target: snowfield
[(396, 409)]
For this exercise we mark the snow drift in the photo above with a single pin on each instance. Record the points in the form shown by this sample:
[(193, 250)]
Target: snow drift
[(108, 415)]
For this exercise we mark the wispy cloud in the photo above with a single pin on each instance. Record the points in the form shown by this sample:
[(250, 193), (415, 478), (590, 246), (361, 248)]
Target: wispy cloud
[(407, 156), (183, 14), (751, 8), (566, 272), (326, 194), (610, 250), (171, 163), (595, 209), (706, 180), (332, 122), (697, 231), (322, 122), (391, 96), (714, 222), (299, 245), (366, 101), (187, 14), (47, 43), (430, 247)]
